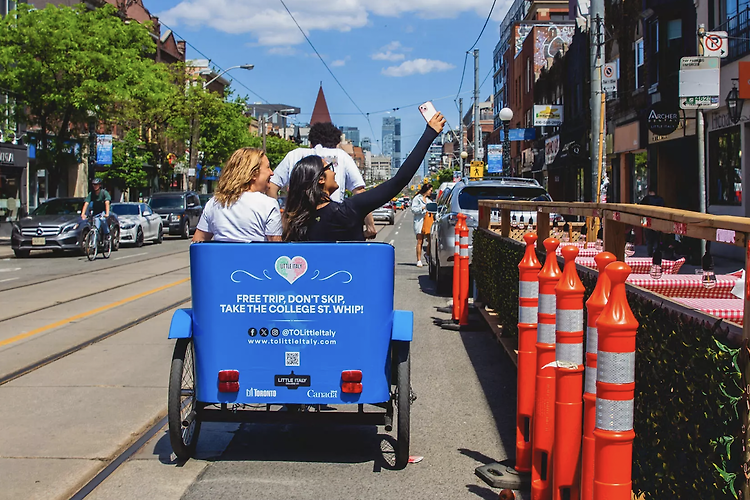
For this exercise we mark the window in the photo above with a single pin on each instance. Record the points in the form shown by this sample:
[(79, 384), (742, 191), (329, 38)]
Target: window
[(639, 76), (725, 167), (640, 176), (528, 75), (653, 45)]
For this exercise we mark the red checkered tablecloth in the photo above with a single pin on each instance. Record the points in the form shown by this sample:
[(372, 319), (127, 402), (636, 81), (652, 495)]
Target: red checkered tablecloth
[(591, 251), (728, 309), (685, 285), (639, 265)]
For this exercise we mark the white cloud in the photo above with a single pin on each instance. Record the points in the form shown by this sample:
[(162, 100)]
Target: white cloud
[(417, 66), (394, 51), (282, 51), (340, 62), (270, 25)]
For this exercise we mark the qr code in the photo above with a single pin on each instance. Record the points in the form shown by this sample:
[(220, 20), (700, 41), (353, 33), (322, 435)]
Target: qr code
[(292, 359)]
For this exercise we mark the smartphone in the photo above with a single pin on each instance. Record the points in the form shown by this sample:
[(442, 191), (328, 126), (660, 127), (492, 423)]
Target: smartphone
[(428, 111)]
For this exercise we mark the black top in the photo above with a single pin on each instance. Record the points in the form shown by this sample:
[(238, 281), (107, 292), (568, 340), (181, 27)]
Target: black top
[(344, 221), (96, 201)]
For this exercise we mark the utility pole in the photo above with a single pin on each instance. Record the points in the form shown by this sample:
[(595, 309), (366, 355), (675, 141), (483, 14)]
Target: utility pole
[(701, 145), (461, 133), (596, 24), (477, 128), (263, 125)]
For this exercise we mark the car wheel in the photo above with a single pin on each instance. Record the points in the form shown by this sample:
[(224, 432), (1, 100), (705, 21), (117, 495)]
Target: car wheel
[(115, 241), (431, 268), (160, 235), (391, 221), (139, 237), (21, 254), (186, 230), (442, 283)]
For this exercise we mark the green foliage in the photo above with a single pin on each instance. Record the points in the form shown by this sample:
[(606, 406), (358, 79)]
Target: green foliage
[(443, 175), (63, 63), (224, 128), (687, 384), (128, 158)]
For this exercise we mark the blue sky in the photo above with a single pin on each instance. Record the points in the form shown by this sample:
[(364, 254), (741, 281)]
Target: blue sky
[(386, 53)]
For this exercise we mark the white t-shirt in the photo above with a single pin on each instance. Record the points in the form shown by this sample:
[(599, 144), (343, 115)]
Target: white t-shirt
[(348, 175), (253, 217)]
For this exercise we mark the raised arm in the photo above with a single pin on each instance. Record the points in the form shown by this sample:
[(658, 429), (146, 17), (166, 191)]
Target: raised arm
[(370, 200)]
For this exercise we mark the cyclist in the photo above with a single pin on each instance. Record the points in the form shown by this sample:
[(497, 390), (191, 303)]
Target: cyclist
[(98, 200)]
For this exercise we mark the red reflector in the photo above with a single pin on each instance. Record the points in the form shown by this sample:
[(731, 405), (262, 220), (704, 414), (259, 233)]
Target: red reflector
[(351, 388), (229, 376), (229, 387), (351, 376)]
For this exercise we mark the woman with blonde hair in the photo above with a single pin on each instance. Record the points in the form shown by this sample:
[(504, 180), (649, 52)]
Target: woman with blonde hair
[(240, 211)]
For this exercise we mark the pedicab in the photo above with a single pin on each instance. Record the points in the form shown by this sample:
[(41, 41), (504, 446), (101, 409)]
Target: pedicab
[(279, 331)]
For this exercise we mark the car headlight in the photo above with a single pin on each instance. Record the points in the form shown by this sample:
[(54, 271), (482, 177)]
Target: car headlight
[(70, 227), (174, 218), (128, 225)]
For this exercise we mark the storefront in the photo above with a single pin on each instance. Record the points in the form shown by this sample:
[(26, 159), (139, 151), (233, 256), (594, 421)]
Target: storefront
[(13, 167), (724, 166), (631, 163), (675, 156)]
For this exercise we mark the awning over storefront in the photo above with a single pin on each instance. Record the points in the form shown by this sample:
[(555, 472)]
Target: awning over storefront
[(627, 137)]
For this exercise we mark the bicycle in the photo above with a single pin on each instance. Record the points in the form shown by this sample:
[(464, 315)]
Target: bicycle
[(93, 242)]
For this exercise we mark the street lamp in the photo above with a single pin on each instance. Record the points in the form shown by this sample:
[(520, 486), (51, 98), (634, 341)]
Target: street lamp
[(240, 66), (506, 115), (263, 118), (734, 103), (92, 145)]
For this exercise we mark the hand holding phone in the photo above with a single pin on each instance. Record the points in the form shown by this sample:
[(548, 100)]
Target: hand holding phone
[(428, 111)]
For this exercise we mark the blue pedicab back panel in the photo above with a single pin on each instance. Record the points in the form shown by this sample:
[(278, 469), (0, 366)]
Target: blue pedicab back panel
[(290, 318)]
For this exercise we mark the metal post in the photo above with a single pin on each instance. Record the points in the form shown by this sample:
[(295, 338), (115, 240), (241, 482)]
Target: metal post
[(507, 171), (597, 18), (461, 132), (477, 128), (92, 151), (263, 124), (702, 168)]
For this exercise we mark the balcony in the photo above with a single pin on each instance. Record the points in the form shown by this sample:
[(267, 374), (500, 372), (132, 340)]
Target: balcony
[(738, 29)]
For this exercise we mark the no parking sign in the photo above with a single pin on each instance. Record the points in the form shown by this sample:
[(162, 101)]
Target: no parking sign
[(609, 77), (715, 44)]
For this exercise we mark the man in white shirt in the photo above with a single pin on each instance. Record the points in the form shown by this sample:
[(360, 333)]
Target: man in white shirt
[(326, 137)]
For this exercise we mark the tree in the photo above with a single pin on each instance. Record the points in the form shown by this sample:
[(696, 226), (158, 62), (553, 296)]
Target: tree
[(64, 65), (224, 128), (129, 155)]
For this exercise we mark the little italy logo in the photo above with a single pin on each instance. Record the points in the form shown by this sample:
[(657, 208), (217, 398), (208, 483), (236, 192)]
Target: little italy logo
[(291, 269)]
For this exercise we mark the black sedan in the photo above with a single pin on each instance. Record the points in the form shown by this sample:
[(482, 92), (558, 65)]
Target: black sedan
[(57, 225)]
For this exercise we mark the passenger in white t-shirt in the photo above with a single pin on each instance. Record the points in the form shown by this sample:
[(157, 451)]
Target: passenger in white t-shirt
[(240, 210), (326, 137)]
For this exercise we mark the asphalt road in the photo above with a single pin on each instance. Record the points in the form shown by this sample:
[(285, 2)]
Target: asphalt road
[(68, 419)]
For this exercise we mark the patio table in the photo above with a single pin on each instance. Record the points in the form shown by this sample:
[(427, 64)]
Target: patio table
[(639, 265), (728, 309), (685, 285)]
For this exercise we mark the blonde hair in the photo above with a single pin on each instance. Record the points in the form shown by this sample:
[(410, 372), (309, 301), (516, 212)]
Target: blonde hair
[(240, 171)]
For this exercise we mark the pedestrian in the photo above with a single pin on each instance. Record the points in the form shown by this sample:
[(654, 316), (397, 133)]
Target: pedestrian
[(326, 138), (419, 209), (652, 237), (311, 214), (240, 211)]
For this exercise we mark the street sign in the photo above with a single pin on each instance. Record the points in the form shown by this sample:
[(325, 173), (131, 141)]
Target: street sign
[(699, 102), (477, 170), (609, 77), (715, 44), (699, 82), (519, 134)]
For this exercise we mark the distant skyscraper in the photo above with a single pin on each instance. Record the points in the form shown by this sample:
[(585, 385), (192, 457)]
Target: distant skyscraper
[(392, 140), (351, 134), (366, 145)]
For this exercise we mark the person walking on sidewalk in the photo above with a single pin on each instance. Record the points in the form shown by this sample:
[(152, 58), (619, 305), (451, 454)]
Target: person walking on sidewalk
[(419, 209)]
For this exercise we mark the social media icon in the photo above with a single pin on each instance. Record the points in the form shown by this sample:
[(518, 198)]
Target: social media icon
[(275, 332), (264, 332), (252, 332)]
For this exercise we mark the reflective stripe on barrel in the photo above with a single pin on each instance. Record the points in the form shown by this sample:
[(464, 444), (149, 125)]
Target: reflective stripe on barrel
[(545, 333), (592, 339), (614, 415), (590, 380), (615, 367), (547, 303), (569, 320)]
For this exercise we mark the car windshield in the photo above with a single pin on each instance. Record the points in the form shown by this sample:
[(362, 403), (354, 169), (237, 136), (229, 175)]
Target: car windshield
[(162, 202), (125, 209), (469, 197), (59, 207)]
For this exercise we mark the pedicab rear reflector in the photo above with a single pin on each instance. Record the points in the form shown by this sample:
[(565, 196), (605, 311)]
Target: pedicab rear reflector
[(351, 381), (229, 381)]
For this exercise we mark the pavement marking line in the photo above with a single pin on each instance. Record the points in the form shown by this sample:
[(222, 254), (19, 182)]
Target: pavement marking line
[(9, 279), (89, 313), (10, 270), (134, 255)]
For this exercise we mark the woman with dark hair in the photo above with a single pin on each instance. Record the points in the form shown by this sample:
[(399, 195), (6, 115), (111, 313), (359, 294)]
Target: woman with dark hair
[(312, 216), (419, 209)]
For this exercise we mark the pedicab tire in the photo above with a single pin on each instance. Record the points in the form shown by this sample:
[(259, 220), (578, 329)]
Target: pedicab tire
[(403, 404), (183, 450)]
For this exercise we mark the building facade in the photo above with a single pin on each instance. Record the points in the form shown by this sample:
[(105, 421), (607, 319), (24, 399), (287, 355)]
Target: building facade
[(380, 169), (351, 134), (391, 140)]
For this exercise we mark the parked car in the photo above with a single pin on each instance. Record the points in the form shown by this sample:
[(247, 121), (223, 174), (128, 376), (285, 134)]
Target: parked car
[(443, 187), (204, 198), (179, 211), (386, 213), (138, 223), (57, 225), (464, 198)]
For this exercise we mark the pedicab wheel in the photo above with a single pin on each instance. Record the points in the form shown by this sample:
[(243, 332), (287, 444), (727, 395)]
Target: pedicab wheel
[(182, 406), (403, 403)]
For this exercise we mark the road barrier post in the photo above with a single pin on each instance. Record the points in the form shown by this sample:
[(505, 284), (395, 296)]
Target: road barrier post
[(615, 392), (543, 432), (456, 270), (594, 305), (463, 291), (566, 470), (528, 302)]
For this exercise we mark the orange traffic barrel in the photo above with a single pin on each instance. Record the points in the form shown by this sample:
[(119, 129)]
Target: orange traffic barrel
[(463, 289), (456, 270), (615, 392)]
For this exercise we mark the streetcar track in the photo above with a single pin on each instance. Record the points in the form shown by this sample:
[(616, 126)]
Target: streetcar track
[(71, 350), (57, 278), (59, 303)]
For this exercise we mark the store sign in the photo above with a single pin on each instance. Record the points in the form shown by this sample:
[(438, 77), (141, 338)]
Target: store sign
[(551, 148), (7, 158), (663, 119), (13, 155), (685, 128), (548, 115)]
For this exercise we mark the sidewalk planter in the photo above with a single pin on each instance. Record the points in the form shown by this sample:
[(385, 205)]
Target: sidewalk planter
[(687, 391)]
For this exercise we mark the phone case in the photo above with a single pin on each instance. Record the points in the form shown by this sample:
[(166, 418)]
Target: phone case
[(428, 110)]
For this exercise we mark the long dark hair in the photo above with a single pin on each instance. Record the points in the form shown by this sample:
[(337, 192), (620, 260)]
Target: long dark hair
[(304, 196)]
